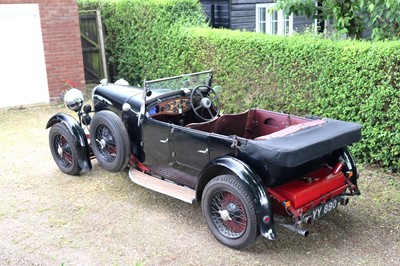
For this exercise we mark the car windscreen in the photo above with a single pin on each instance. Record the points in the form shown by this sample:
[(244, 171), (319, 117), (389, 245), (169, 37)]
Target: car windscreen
[(183, 82)]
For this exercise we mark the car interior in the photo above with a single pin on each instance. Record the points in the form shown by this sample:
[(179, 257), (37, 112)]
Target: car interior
[(251, 124)]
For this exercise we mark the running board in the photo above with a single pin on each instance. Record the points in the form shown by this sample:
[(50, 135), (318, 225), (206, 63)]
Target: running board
[(165, 187)]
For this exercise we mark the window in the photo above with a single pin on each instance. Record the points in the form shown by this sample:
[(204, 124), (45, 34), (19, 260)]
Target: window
[(272, 22)]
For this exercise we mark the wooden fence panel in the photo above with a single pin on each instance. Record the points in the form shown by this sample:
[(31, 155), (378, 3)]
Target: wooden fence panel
[(92, 50)]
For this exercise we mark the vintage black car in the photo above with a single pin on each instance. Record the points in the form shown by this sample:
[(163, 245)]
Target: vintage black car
[(250, 171)]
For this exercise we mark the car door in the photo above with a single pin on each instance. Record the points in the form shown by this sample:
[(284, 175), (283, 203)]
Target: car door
[(221, 145), (157, 142), (190, 149)]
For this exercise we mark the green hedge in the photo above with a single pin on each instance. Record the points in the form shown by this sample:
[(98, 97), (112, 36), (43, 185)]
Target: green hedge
[(348, 80), (141, 35)]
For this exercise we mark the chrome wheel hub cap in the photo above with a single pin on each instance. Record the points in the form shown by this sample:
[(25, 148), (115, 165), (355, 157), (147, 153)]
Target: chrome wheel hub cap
[(225, 215), (102, 143), (60, 150)]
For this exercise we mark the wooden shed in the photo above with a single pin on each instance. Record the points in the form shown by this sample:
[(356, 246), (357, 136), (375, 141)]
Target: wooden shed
[(252, 15)]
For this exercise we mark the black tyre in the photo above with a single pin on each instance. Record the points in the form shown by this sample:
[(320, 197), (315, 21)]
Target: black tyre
[(63, 149), (109, 140), (229, 212)]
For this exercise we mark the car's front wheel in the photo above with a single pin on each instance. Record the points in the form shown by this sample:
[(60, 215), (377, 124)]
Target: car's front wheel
[(229, 212), (109, 140), (63, 149)]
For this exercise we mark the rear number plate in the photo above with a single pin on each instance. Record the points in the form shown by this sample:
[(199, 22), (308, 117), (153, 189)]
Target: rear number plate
[(323, 209)]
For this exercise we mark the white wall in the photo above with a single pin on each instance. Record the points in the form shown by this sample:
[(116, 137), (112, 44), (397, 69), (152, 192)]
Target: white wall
[(23, 79)]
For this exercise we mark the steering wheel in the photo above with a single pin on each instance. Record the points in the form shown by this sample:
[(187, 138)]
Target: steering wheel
[(210, 102)]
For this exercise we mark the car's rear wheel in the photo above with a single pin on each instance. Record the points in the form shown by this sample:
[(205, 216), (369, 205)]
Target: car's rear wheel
[(109, 141), (229, 212), (63, 149)]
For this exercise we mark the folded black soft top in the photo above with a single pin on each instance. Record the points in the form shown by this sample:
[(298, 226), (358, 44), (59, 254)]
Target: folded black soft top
[(306, 144)]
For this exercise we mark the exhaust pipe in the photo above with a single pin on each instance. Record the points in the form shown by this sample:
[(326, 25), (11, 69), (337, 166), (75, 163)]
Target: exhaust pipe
[(296, 229), (344, 201)]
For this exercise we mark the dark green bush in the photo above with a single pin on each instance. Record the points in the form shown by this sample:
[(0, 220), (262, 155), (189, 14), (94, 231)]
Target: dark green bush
[(348, 80), (142, 35)]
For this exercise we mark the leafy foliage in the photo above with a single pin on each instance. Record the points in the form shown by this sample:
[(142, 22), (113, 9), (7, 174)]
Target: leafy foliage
[(348, 80), (384, 18), (142, 35), (352, 17)]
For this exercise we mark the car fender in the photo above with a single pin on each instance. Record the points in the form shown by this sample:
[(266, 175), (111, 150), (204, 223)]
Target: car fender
[(350, 164), (252, 181), (77, 131)]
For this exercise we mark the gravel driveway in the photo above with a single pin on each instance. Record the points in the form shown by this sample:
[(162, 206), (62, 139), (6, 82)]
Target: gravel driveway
[(102, 218)]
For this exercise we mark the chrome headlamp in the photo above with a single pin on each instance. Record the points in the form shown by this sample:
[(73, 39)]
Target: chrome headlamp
[(73, 99)]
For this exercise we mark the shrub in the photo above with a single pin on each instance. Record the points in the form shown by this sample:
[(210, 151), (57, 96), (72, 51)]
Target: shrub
[(348, 80), (142, 35)]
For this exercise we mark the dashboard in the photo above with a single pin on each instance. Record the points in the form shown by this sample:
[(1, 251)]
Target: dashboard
[(171, 107)]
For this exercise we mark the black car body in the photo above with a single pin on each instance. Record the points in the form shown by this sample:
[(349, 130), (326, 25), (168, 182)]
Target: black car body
[(250, 171)]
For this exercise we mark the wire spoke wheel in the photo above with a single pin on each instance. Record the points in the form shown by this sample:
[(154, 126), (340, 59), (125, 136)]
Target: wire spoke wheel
[(105, 142), (229, 211), (228, 214), (110, 141), (64, 153), (63, 147)]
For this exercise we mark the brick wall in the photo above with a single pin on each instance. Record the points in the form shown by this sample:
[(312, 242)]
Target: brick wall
[(61, 41)]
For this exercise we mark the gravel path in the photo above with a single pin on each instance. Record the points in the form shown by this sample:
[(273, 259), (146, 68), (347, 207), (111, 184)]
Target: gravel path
[(101, 218)]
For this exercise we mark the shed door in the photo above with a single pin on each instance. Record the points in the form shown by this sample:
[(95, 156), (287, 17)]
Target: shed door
[(23, 78)]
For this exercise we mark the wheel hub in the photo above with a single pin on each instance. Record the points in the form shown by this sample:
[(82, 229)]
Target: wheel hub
[(60, 150), (102, 143), (225, 215)]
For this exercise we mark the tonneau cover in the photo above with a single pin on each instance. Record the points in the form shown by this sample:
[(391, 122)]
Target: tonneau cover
[(306, 144)]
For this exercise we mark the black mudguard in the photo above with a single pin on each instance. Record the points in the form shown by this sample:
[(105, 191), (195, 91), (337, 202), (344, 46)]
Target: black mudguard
[(350, 165), (77, 131), (262, 201)]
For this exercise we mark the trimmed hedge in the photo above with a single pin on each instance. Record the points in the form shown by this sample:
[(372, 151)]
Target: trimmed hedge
[(141, 35), (348, 80)]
